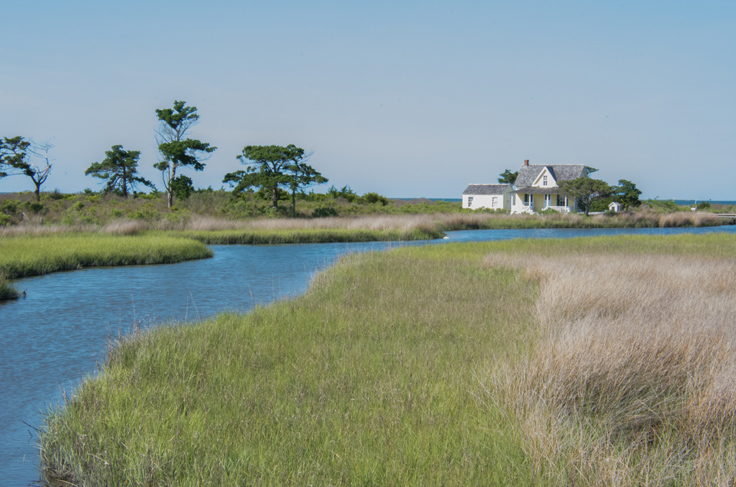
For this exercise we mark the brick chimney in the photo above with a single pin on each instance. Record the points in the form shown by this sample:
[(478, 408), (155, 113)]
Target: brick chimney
[(526, 162)]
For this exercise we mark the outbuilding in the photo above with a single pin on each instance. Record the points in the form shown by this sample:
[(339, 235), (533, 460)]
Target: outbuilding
[(491, 196)]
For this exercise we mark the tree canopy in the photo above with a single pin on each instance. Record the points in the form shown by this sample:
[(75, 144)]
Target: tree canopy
[(273, 167), (585, 191), (627, 194), (16, 155), (508, 177), (120, 170), (176, 150)]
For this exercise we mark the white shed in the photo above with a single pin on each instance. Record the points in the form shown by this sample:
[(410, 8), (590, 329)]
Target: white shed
[(491, 196), (614, 206)]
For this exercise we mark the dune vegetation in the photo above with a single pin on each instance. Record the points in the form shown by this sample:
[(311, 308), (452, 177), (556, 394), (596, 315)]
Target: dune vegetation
[(593, 361)]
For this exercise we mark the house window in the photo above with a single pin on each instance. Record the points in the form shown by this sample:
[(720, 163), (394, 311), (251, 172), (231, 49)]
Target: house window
[(494, 201), (526, 199), (548, 200), (470, 201), (560, 200), (544, 180)]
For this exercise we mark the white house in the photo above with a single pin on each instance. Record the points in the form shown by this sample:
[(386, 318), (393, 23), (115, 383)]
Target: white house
[(537, 188), (492, 196), (614, 206)]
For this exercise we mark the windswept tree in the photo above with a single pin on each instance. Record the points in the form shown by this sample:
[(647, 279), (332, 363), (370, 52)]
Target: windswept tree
[(178, 151), (627, 194), (301, 175), (585, 191), (16, 158), (119, 169), (508, 177), (272, 168)]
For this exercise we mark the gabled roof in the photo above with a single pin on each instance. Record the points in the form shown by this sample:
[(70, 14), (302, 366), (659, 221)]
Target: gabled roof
[(561, 172), (487, 188)]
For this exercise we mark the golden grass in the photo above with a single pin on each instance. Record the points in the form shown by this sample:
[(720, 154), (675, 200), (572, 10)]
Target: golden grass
[(403, 223), (633, 379)]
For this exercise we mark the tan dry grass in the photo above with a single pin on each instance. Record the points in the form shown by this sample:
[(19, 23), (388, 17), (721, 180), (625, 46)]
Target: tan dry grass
[(633, 381), (404, 223)]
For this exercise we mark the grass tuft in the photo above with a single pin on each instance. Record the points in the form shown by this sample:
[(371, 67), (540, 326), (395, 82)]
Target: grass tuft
[(7, 291)]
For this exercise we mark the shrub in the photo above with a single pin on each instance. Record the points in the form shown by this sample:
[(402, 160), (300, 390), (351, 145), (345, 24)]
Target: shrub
[(373, 198), (324, 211)]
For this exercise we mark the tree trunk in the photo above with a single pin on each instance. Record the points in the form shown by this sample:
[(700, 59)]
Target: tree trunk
[(275, 197), (37, 192), (169, 189), (293, 202)]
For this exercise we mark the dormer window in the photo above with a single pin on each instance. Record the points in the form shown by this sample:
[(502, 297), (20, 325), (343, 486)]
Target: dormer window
[(544, 180)]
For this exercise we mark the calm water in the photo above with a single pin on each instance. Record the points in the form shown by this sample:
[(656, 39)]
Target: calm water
[(59, 333)]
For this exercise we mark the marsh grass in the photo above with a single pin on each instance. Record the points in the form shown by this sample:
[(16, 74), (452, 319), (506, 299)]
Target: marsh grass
[(7, 291), (362, 228), (34, 255), (594, 361), (632, 381), (368, 379)]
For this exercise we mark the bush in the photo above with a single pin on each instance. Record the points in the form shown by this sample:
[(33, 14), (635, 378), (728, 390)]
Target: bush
[(373, 198), (702, 205), (324, 211)]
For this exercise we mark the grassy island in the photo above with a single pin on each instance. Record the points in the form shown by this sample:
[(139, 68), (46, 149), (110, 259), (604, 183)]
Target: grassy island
[(591, 361), (23, 256)]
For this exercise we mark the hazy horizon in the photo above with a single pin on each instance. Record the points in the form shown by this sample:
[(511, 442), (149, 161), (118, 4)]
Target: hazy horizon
[(416, 99)]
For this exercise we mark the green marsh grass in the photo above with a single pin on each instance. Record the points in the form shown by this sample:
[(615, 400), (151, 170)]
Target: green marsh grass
[(498, 363), (34, 255), (297, 236), (370, 378), (7, 291)]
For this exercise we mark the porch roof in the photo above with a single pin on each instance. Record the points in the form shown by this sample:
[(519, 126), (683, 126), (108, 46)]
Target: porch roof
[(534, 190)]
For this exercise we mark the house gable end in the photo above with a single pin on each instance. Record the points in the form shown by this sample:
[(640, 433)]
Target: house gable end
[(545, 179)]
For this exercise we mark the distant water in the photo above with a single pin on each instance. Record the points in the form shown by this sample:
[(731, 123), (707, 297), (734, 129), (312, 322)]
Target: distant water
[(695, 202), (59, 334)]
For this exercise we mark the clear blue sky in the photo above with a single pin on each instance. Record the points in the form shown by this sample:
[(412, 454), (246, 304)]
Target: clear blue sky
[(404, 98)]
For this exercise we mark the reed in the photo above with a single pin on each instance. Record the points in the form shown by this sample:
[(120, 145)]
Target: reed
[(631, 382)]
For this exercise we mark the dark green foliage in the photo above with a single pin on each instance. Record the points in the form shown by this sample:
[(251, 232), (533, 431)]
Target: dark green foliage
[(182, 187), (627, 194), (16, 154), (601, 204), (703, 205), (508, 177), (585, 191), (177, 150), (119, 169), (301, 175), (324, 211), (271, 168), (373, 198)]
